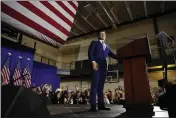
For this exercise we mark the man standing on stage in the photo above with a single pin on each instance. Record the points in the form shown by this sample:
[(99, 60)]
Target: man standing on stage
[(97, 54)]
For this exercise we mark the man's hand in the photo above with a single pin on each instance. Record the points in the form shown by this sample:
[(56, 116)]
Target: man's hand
[(94, 65)]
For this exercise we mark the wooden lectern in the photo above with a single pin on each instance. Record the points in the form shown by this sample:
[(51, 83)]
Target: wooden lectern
[(137, 91)]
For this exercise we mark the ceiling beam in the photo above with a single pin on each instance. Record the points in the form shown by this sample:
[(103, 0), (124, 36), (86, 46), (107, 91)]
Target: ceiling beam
[(125, 23), (73, 33), (127, 4), (79, 27), (145, 8), (162, 6), (88, 11), (113, 14), (85, 19), (99, 17), (104, 9)]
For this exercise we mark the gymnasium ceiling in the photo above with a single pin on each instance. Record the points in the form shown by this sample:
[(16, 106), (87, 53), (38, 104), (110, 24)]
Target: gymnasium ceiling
[(95, 15), (90, 17)]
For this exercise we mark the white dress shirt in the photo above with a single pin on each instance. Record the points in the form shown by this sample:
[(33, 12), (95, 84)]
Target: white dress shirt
[(103, 43)]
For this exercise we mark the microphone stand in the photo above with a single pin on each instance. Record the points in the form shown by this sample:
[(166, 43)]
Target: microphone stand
[(12, 81), (165, 62)]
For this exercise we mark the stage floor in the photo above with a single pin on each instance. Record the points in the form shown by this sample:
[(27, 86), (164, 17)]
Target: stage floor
[(81, 111)]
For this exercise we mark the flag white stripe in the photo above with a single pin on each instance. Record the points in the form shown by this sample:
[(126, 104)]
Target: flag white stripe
[(30, 15), (69, 6), (61, 10), (76, 3), (8, 71), (25, 28), (49, 13)]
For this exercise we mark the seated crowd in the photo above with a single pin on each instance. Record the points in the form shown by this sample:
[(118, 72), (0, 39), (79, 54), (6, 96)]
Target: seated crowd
[(66, 96)]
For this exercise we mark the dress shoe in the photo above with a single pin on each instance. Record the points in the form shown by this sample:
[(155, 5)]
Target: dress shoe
[(93, 109), (103, 108)]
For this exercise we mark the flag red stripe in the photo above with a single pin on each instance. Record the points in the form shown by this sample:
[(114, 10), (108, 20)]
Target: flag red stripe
[(16, 15), (28, 83), (42, 15), (60, 15), (5, 76), (65, 8), (16, 77), (27, 78), (2, 75), (6, 73), (73, 5)]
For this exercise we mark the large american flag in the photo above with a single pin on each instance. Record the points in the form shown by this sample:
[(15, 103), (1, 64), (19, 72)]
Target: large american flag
[(17, 74), (5, 71), (27, 75), (49, 21)]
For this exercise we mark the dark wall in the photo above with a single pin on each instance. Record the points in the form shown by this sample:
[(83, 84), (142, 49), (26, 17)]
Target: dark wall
[(45, 74), (83, 67)]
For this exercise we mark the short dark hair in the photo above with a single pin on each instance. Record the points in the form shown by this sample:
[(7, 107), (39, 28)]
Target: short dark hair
[(98, 33)]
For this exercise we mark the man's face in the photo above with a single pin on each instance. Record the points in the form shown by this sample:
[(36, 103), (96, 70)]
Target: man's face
[(102, 35)]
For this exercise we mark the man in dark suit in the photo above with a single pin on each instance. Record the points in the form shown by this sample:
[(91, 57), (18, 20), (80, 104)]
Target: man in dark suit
[(97, 54)]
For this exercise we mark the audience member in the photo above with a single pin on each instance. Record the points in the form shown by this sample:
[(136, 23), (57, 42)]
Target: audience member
[(82, 96)]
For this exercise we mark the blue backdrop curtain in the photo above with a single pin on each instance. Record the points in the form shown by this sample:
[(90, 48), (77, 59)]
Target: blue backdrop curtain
[(45, 74), (16, 50)]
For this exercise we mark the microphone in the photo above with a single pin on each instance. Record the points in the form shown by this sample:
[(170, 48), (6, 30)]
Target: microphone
[(166, 40)]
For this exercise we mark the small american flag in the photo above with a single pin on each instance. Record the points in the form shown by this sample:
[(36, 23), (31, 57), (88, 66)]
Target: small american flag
[(5, 71), (17, 73), (27, 75)]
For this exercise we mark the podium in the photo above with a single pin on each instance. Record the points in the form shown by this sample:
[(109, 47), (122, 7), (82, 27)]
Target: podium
[(137, 91)]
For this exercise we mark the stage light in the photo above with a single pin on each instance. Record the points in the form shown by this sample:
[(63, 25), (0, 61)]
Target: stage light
[(171, 65), (155, 67)]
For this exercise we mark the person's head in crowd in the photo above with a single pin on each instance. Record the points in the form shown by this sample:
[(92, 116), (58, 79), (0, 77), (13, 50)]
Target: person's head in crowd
[(72, 92), (78, 94), (62, 88), (110, 93), (47, 88), (105, 95), (69, 94), (116, 90), (58, 93), (120, 88)]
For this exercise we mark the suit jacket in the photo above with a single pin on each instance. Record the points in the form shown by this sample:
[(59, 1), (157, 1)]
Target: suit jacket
[(98, 54)]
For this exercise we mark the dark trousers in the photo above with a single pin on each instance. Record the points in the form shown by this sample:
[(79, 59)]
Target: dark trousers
[(97, 85)]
